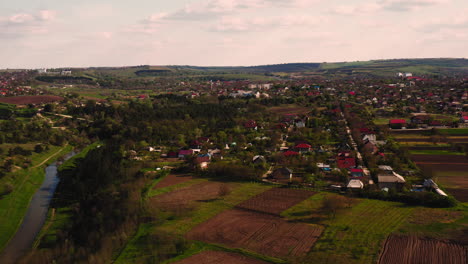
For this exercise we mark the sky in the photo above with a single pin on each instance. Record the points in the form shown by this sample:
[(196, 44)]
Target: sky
[(83, 33)]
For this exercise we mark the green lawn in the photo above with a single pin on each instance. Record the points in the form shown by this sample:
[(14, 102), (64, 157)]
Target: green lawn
[(356, 234), (25, 183)]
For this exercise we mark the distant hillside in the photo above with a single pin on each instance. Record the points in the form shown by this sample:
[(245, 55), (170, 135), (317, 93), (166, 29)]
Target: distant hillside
[(287, 67), (442, 66)]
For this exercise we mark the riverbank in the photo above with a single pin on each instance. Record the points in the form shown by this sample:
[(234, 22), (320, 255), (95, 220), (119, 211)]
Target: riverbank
[(25, 183)]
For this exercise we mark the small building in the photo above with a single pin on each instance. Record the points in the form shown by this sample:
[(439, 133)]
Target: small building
[(355, 184), (185, 153), (389, 179), (397, 123), (303, 147), (345, 162), (282, 174), (357, 172), (258, 159)]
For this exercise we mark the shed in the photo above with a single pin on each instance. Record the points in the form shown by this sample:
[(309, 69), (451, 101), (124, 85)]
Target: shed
[(282, 174)]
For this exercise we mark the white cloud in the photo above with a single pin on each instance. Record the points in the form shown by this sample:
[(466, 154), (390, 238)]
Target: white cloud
[(409, 5), (22, 24), (240, 24)]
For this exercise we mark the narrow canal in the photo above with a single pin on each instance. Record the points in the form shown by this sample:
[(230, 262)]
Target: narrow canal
[(35, 217)]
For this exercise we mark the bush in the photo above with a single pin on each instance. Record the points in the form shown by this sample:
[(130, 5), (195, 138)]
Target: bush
[(7, 189), (232, 172)]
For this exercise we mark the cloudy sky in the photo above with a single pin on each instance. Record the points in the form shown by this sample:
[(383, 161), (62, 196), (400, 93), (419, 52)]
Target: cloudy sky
[(58, 33)]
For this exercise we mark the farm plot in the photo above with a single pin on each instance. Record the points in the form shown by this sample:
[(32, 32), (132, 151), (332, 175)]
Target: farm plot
[(289, 109), (30, 99), (216, 257), (276, 200), (173, 179), (184, 197), (411, 249), (356, 235), (451, 171), (262, 233)]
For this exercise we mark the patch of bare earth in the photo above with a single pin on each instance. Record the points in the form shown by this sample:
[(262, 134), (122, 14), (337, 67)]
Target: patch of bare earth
[(185, 197), (173, 179), (263, 233), (275, 201), (30, 99), (412, 249), (218, 257), (425, 216)]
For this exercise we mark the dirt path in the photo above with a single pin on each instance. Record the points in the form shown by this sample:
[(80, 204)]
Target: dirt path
[(42, 163)]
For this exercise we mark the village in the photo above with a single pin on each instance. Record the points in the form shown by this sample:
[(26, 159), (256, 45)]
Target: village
[(208, 160)]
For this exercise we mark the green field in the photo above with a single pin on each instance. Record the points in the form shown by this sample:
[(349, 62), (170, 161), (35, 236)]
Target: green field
[(355, 234), (25, 182)]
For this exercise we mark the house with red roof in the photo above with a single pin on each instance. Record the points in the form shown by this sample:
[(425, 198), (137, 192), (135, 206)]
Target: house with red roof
[(464, 119), (397, 123), (185, 153), (250, 124), (345, 162), (303, 147)]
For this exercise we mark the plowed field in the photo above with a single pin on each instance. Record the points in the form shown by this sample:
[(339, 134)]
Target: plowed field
[(451, 171), (185, 196), (276, 200), (30, 99), (219, 257), (173, 179), (411, 249), (262, 233)]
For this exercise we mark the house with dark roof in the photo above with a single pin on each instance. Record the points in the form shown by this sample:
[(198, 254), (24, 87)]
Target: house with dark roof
[(282, 174)]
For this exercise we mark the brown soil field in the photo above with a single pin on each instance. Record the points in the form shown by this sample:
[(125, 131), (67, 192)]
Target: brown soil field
[(411, 249), (262, 233), (425, 216), (451, 172), (447, 159), (185, 197), (218, 257), (429, 141), (283, 110), (276, 200), (173, 179), (460, 194), (428, 148), (30, 99)]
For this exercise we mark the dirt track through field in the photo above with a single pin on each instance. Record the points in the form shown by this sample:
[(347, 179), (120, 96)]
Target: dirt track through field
[(219, 257), (411, 249)]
